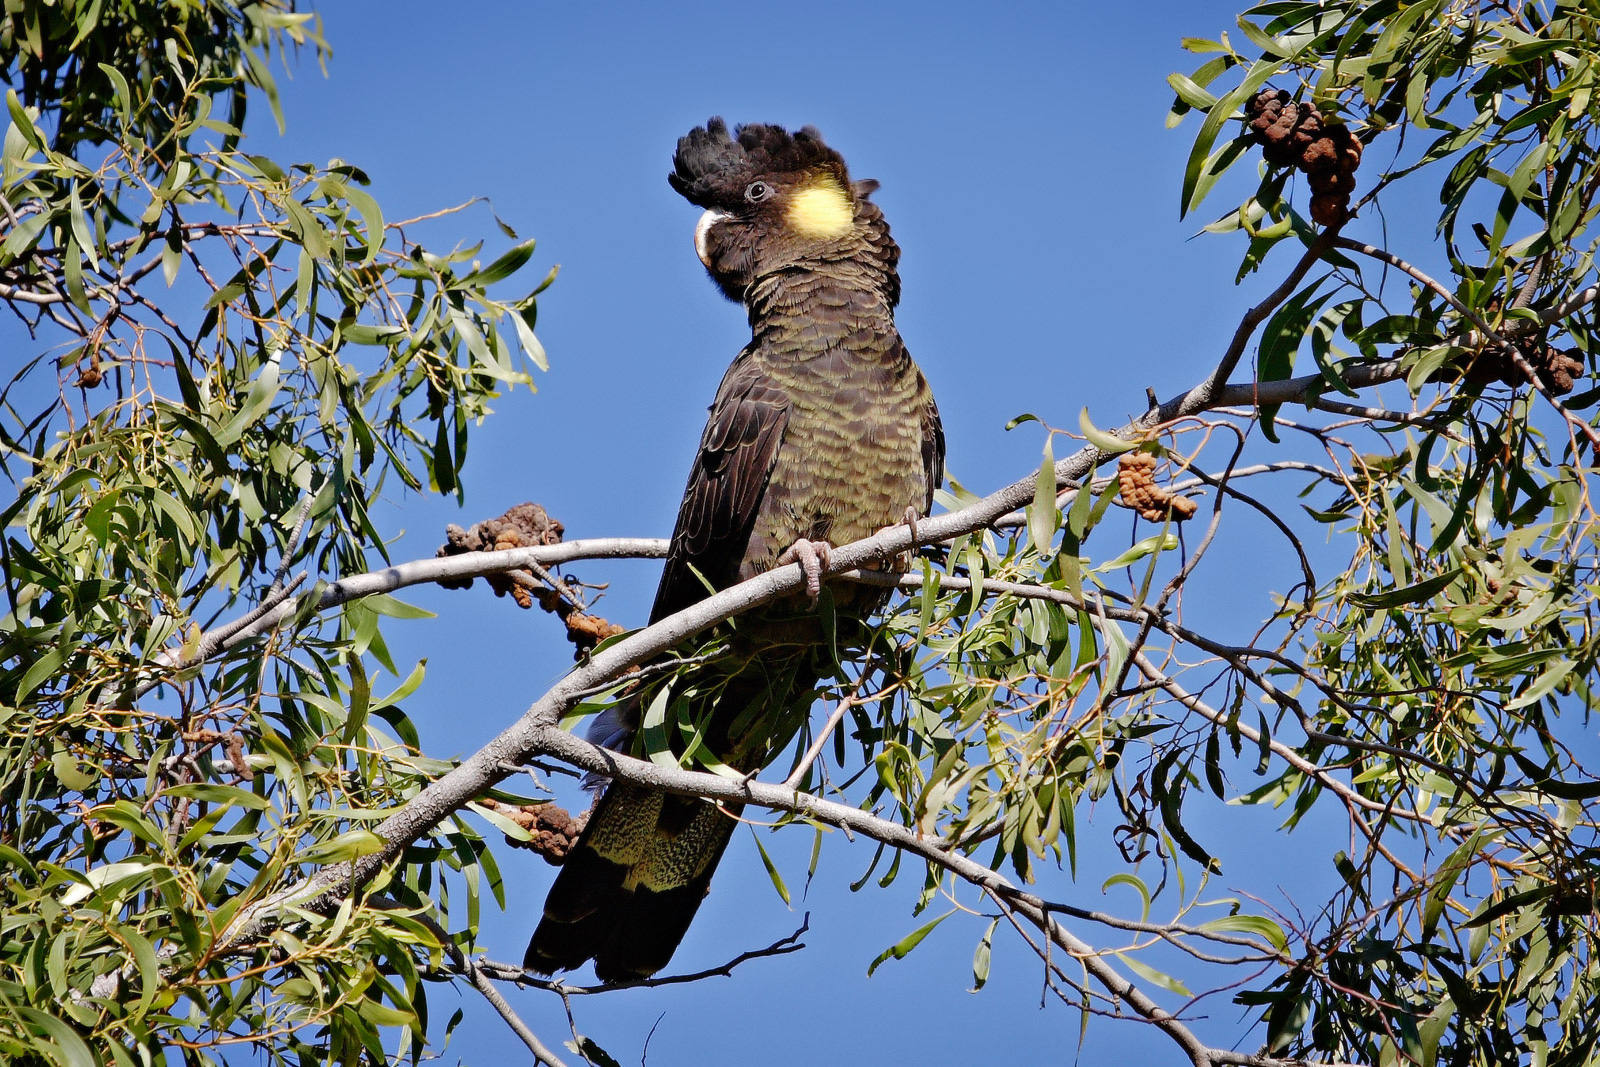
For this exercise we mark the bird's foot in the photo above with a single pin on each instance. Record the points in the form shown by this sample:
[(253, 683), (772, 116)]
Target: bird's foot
[(901, 561), (814, 557)]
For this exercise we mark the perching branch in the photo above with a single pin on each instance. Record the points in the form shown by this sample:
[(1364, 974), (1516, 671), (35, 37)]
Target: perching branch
[(536, 733)]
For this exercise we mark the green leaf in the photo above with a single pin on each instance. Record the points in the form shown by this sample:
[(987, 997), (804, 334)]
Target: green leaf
[(1162, 542), (263, 391), (1117, 650), (1153, 976), (1216, 165), (24, 235), (1263, 743), (171, 256), (1510, 902), (1043, 518), (1168, 792), (358, 334), (1108, 443), (1255, 925), (372, 218), (69, 1049), (1543, 779), (1189, 92), (352, 844), (592, 1053), (80, 227), (119, 86), (523, 321), (22, 122), (1280, 340), (44, 668), (384, 604), (71, 774), (148, 964), (501, 822), (1416, 593), (772, 868), (230, 796), (1549, 679), (1137, 885), (1220, 112), (379, 1014), (404, 689), (106, 876), (902, 948), (304, 225), (980, 957), (507, 264), (1444, 879), (1322, 333), (261, 76)]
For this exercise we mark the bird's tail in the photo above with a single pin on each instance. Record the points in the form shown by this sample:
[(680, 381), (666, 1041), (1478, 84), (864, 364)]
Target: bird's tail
[(631, 885)]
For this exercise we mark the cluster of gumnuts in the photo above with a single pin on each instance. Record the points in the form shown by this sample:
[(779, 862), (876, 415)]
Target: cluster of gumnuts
[(1558, 369), (527, 524), (1136, 484), (552, 830), (1295, 135)]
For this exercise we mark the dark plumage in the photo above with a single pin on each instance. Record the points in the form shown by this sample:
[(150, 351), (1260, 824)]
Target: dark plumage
[(824, 430)]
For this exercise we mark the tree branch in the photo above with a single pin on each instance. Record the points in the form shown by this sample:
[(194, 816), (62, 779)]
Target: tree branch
[(481, 983), (517, 743), (1508, 346), (781, 947), (536, 732)]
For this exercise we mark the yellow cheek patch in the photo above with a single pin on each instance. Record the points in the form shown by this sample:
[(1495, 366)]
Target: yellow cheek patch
[(821, 210)]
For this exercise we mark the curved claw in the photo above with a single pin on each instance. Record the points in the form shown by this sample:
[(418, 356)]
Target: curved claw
[(902, 560), (814, 557)]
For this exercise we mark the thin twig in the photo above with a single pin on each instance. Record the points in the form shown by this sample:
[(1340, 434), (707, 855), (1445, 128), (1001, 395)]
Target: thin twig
[(290, 546), (781, 947), (481, 983), (1506, 345)]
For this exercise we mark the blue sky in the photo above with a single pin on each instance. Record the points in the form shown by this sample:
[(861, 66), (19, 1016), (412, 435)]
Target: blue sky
[(1030, 181)]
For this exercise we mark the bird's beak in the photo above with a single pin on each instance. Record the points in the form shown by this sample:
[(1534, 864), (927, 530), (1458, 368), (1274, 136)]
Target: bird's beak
[(702, 231)]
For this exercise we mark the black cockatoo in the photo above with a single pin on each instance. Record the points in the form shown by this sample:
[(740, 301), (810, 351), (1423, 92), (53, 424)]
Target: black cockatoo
[(823, 432)]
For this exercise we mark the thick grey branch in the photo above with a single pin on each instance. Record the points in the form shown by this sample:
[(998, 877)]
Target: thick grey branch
[(515, 745), (536, 733)]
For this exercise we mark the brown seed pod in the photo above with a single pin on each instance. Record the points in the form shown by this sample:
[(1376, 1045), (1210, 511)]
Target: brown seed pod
[(1330, 209), (1283, 127), (524, 524), (1136, 485), (1293, 134), (1559, 370), (1267, 102), (1332, 181), (553, 829), (1349, 146), (1320, 156)]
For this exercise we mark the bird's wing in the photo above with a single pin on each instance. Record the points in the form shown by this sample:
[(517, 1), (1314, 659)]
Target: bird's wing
[(726, 484), (932, 450)]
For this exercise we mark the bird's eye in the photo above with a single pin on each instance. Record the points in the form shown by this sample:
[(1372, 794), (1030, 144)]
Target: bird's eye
[(756, 192)]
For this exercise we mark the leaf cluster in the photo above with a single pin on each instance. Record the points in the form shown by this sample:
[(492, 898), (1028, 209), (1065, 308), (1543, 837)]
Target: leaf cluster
[(177, 452)]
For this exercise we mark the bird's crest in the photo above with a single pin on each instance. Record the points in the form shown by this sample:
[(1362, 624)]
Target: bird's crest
[(712, 167)]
